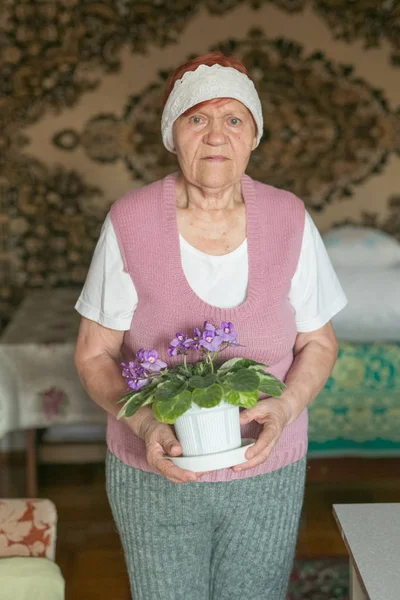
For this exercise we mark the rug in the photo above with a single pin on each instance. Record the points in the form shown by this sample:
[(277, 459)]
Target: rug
[(320, 579)]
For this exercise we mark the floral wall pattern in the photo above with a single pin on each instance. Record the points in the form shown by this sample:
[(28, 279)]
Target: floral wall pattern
[(81, 85)]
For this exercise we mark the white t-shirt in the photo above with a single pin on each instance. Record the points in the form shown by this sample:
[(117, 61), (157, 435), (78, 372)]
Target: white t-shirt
[(109, 296)]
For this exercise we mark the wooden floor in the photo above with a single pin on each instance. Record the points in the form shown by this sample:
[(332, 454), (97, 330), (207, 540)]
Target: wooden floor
[(88, 548)]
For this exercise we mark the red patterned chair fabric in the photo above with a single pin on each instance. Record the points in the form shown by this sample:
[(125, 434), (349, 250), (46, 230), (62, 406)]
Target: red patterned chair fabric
[(28, 528)]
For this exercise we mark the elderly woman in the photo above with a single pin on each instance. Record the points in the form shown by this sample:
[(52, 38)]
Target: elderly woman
[(209, 244)]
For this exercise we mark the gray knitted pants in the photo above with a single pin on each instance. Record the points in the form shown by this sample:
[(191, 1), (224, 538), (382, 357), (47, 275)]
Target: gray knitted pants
[(207, 541)]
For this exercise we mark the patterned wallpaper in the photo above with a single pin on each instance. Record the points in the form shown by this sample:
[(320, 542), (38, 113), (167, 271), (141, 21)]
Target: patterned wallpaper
[(81, 85)]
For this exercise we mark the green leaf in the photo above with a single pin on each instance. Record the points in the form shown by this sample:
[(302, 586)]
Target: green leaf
[(135, 402), (197, 381), (232, 397), (267, 376), (125, 398), (228, 365), (245, 380), (181, 370), (208, 397), (132, 408), (248, 399), (271, 388), (170, 389), (235, 364), (167, 411)]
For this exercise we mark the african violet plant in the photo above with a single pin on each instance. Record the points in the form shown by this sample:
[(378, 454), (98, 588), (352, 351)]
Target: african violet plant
[(171, 392)]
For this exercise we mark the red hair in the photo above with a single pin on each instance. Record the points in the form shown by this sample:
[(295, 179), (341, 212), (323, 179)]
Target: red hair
[(213, 58)]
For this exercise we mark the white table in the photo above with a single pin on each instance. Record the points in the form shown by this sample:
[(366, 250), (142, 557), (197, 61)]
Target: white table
[(371, 533), (39, 385)]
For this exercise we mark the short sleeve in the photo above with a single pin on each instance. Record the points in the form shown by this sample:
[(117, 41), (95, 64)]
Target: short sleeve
[(315, 292), (108, 296)]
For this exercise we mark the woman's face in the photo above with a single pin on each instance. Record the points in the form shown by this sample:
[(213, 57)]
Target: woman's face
[(213, 144)]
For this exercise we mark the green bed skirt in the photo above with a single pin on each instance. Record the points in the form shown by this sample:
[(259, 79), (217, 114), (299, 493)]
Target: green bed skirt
[(358, 411)]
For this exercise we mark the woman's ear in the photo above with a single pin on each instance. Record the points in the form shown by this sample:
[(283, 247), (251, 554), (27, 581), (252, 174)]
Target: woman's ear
[(254, 144)]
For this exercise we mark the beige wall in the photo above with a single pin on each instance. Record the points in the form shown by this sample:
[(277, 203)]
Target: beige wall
[(81, 115)]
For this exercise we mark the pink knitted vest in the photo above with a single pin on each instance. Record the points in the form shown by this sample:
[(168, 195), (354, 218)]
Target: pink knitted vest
[(146, 228)]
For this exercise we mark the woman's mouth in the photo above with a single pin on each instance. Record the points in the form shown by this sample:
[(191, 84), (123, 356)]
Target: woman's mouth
[(217, 158)]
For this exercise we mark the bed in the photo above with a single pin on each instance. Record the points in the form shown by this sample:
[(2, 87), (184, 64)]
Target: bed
[(358, 411), (354, 429)]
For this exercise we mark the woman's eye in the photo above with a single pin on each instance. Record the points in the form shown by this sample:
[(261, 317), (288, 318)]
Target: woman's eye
[(196, 120), (234, 121)]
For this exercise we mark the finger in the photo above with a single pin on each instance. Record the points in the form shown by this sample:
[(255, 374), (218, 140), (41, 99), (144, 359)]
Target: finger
[(266, 437), (201, 474), (169, 443), (257, 455), (167, 468), (250, 414), (176, 474), (259, 459)]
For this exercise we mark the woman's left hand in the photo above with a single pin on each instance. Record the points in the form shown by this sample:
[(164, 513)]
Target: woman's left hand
[(273, 414)]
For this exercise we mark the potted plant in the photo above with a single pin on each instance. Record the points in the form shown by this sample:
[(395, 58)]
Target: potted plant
[(200, 398)]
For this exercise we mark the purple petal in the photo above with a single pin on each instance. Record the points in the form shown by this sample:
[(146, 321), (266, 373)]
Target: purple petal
[(155, 366), (149, 357), (137, 384), (139, 354), (208, 335), (161, 364), (213, 345), (189, 343), (209, 326), (181, 337)]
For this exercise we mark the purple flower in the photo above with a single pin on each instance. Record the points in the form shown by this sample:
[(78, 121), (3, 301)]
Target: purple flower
[(227, 332), (177, 345), (151, 362), (193, 342), (140, 354), (134, 374), (211, 341), (129, 370), (137, 384), (178, 339)]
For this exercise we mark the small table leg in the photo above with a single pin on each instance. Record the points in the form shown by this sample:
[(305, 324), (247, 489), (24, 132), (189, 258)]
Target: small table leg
[(31, 464), (356, 589)]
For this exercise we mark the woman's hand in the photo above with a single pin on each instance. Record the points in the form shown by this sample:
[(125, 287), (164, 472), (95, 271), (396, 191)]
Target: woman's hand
[(273, 414), (161, 441)]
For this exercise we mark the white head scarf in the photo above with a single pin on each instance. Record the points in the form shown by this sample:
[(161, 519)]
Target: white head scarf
[(206, 83)]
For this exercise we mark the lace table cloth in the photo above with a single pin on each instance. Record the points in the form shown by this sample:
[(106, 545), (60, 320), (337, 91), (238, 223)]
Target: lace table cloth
[(39, 385)]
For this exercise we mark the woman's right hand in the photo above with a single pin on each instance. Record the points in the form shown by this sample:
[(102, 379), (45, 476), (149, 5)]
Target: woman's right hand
[(160, 442)]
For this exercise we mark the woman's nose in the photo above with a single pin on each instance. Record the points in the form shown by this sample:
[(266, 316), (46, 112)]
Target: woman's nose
[(214, 135)]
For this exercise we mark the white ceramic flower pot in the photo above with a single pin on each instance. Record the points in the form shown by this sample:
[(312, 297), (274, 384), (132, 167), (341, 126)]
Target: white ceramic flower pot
[(209, 430)]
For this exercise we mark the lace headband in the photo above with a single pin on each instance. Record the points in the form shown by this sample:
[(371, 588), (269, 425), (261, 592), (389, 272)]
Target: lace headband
[(206, 83)]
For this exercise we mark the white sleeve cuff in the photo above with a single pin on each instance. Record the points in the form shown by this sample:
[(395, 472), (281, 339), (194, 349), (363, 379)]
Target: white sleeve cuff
[(96, 315), (324, 317)]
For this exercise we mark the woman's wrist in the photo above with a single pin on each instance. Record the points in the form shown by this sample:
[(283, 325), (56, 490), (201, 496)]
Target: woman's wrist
[(292, 406), (141, 421)]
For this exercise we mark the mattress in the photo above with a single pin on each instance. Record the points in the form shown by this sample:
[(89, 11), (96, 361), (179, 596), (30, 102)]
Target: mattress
[(358, 411)]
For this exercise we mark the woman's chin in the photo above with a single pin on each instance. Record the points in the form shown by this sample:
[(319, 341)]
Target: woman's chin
[(217, 179)]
